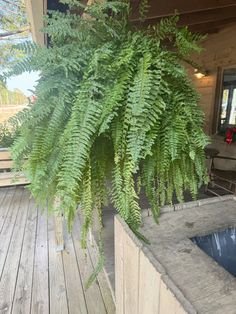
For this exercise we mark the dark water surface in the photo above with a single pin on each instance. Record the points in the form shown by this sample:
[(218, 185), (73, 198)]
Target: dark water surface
[(221, 246)]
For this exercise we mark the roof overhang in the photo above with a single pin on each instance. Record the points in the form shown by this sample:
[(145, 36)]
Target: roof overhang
[(205, 16)]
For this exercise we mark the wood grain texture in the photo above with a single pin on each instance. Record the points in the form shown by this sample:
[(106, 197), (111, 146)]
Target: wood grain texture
[(149, 286), (102, 280), (10, 271), (6, 164), (7, 229), (5, 155), (34, 278), (75, 291), (168, 302), (131, 275), (58, 297), (9, 179), (119, 267), (59, 233), (6, 197), (22, 297), (40, 289), (93, 295)]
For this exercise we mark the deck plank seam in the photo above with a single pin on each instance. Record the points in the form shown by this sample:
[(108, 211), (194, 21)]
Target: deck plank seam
[(97, 281), (19, 260), (63, 267), (6, 191), (32, 279), (9, 206), (49, 290), (11, 235), (77, 262)]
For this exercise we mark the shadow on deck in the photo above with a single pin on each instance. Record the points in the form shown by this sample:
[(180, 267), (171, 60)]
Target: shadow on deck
[(34, 278)]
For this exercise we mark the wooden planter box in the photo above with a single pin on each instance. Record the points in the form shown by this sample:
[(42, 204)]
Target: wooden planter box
[(172, 275)]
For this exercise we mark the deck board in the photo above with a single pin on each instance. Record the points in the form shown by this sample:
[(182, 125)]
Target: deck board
[(93, 294), (10, 270), (8, 226), (75, 291), (58, 297), (34, 278), (22, 297), (40, 289)]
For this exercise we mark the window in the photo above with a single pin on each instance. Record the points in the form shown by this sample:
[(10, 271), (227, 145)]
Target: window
[(228, 99)]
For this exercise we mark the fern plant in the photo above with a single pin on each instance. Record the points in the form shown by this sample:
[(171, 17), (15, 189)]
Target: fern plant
[(115, 111)]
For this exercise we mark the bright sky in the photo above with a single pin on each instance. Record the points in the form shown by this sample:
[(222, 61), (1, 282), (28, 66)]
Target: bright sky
[(23, 82)]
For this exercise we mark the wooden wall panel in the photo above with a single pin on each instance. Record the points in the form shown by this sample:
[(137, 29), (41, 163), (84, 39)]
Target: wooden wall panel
[(119, 268), (149, 286), (142, 285)]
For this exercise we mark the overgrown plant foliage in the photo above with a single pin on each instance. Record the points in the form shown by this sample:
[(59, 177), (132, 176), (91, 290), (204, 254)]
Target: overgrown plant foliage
[(115, 111)]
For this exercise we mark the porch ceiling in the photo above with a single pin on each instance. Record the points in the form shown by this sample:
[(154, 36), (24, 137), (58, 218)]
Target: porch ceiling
[(201, 15), (206, 16)]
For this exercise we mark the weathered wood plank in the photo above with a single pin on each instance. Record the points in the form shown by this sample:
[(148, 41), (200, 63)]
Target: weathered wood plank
[(40, 291), (131, 275), (149, 286), (94, 300), (59, 232), (22, 298), (168, 302), (10, 271), (6, 164), (58, 297), (102, 280), (5, 155), (6, 197), (119, 267), (75, 292), (10, 179), (3, 193), (7, 229)]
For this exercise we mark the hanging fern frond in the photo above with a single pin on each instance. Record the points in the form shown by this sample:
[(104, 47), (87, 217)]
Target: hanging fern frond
[(114, 107)]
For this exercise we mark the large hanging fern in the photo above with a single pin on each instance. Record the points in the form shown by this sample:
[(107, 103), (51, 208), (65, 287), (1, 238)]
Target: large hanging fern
[(115, 110)]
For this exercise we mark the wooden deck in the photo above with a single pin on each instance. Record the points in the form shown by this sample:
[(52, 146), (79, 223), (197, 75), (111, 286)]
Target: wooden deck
[(34, 278)]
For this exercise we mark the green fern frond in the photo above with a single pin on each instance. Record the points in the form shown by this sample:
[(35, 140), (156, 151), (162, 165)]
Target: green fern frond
[(114, 106)]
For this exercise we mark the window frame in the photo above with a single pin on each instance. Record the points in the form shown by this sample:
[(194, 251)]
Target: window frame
[(216, 126)]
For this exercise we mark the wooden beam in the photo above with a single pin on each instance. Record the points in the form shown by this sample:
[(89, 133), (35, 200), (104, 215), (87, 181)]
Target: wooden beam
[(204, 22), (167, 7), (208, 16), (212, 27), (198, 17)]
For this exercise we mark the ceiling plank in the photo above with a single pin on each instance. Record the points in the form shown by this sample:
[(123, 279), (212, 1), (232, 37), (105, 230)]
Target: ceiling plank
[(200, 17), (212, 27), (167, 7)]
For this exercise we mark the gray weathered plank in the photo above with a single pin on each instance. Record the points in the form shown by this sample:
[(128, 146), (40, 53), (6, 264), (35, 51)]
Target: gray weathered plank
[(3, 193), (10, 271), (75, 293), (7, 195), (102, 280), (22, 298), (58, 297), (7, 229), (93, 295), (40, 291)]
